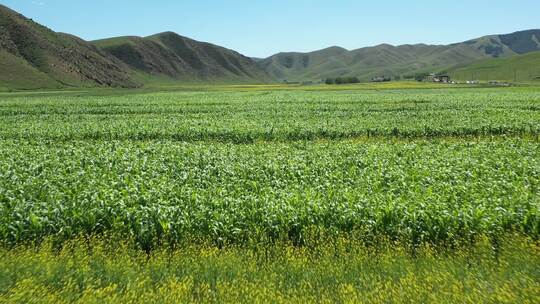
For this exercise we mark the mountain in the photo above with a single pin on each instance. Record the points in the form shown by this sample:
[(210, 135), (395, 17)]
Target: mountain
[(520, 68), (173, 56), (388, 60), (33, 56), (302, 66)]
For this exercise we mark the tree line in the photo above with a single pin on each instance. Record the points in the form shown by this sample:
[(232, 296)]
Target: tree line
[(341, 80)]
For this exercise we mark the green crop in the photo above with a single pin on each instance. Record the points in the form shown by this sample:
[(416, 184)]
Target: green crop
[(167, 191), (246, 117), (286, 196), (168, 167)]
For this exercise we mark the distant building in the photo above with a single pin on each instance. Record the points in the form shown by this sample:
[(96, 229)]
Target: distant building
[(380, 79), (499, 83), (438, 78)]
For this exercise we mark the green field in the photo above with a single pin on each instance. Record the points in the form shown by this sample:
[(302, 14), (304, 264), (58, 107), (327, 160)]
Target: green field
[(358, 193)]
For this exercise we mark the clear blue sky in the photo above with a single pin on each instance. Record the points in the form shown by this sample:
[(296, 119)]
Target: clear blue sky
[(261, 28)]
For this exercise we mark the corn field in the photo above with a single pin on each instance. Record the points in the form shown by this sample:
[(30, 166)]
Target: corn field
[(439, 166), (246, 195)]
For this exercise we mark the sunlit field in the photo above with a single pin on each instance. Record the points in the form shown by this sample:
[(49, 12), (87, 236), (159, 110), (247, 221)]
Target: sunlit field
[(359, 193)]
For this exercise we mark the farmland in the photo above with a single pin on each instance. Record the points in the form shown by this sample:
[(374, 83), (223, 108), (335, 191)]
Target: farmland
[(246, 188)]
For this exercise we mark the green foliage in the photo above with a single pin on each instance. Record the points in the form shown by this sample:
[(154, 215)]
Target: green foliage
[(342, 80), (164, 167), (247, 117), (164, 192), (418, 76), (228, 196)]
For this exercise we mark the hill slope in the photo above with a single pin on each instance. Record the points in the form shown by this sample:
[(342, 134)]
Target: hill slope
[(173, 56), (391, 60), (521, 68), (35, 56)]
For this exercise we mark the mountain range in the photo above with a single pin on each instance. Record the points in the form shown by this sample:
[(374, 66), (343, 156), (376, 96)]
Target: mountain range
[(391, 61), (33, 56)]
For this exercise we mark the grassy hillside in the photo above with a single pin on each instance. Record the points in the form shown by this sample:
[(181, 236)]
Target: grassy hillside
[(40, 57), (391, 61), (169, 56), (522, 68), (17, 73), (33, 56)]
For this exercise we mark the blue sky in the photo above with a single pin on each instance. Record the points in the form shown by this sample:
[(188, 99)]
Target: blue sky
[(261, 28)]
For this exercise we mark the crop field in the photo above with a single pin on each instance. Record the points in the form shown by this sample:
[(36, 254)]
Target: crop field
[(357, 195)]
